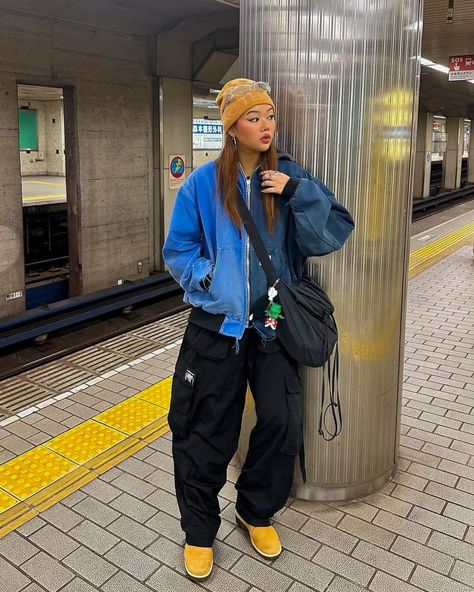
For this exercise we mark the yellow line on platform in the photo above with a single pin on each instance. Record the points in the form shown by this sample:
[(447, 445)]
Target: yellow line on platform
[(52, 183), (425, 257), (39, 478), (32, 197)]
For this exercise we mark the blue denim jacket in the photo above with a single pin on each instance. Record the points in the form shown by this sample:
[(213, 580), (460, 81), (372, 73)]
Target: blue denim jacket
[(202, 239)]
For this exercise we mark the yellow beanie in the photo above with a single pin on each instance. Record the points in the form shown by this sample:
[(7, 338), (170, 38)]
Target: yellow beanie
[(240, 95)]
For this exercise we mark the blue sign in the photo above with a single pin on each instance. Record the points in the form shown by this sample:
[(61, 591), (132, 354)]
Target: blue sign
[(177, 167)]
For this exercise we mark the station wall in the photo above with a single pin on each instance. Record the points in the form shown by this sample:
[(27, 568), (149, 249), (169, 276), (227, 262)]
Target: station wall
[(112, 89), (50, 140), (202, 156)]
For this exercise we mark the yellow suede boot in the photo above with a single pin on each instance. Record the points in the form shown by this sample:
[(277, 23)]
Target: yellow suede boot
[(198, 562), (264, 539)]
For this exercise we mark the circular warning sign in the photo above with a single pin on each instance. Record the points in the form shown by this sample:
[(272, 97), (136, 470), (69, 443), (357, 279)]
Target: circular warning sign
[(177, 170), (177, 167)]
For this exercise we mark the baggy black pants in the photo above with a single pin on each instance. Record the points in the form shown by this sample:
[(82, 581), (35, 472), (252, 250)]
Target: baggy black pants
[(207, 402)]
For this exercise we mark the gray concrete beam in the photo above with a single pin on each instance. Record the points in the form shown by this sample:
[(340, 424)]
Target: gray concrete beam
[(12, 277), (470, 162), (424, 150), (452, 160)]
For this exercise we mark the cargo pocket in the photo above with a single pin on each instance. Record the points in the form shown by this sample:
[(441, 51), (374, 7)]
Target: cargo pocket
[(208, 344), (292, 442), (182, 395)]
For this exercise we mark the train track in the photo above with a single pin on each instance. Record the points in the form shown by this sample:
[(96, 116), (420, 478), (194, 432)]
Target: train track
[(422, 208), (31, 342), (25, 357), (32, 352)]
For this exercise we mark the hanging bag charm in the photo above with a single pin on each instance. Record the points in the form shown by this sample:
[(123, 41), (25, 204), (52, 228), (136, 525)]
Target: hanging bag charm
[(272, 314), (273, 310)]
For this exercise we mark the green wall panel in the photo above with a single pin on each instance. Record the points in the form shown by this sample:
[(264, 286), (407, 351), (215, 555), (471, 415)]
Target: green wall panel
[(28, 122)]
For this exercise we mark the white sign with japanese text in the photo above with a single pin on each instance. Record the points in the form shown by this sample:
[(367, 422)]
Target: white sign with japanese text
[(207, 134)]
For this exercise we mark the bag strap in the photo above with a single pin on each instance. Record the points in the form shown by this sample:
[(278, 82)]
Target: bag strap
[(332, 377), (257, 242), (334, 405)]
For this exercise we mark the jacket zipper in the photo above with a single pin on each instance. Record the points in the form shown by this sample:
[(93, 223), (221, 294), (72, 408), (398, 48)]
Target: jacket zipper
[(248, 183), (247, 320)]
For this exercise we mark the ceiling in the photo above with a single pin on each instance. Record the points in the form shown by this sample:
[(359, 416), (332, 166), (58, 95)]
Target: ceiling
[(441, 97), (27, 92), (139, 17), (440, 41), (193, 19)]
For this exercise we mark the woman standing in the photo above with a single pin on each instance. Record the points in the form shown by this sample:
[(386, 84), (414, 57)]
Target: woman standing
[(227, 344)]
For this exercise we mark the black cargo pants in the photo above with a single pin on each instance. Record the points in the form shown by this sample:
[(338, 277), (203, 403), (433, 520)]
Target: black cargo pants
[(207, 402)]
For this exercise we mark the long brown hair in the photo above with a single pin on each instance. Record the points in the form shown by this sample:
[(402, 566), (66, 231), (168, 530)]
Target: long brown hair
[(227, 175)]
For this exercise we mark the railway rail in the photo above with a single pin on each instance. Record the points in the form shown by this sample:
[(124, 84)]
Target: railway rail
[(47, 333)]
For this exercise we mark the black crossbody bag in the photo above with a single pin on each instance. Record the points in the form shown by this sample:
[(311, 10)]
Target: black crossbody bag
[(308, 330)]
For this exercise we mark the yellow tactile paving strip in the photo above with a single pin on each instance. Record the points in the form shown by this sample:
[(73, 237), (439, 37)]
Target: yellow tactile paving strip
[(131, 415), (40, 477), (84, 442), (6, 501), (32, 471), (426, 256), (37, 479)]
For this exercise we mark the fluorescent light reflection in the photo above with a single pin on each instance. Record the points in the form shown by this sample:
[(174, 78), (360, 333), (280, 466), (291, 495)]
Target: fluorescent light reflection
[(440, 68), (414, 26)]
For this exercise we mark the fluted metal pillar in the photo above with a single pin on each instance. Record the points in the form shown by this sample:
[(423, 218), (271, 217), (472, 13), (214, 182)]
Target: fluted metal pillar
[(345, 78)]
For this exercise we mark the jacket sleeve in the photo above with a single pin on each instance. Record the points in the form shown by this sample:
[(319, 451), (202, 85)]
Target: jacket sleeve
[(183, 245), (322, 224)]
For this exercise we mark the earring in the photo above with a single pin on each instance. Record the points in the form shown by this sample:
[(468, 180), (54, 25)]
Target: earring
[(234, 140)]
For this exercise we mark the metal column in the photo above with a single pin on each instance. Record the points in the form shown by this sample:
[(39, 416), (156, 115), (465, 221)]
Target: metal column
[(345, 77)]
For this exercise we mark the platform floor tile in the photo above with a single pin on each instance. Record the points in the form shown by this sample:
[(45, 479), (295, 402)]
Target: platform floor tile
[(414, 535)]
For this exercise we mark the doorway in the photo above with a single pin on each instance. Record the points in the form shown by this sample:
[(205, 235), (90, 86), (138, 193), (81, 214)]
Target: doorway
[(42, 147)]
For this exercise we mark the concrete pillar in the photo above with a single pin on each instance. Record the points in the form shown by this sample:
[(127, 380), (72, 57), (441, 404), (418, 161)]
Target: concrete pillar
[(12, 267), (470, 161), (424, 150), (205, 58), (176, 108), (452, 160), (172, 126), (347, 99)]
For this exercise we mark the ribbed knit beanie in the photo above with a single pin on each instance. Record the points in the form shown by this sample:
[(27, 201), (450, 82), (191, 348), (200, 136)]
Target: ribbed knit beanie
[(240, 95)]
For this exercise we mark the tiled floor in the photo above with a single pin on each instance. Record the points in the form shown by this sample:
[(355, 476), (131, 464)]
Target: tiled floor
[(56, 416), (121, 531), (36, 388)]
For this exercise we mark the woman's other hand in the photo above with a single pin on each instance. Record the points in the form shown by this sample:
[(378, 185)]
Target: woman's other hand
[(273, 181)]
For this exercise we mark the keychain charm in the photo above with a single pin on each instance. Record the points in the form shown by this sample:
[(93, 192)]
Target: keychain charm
[(272, 314), (273, 310), (272, 292)]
